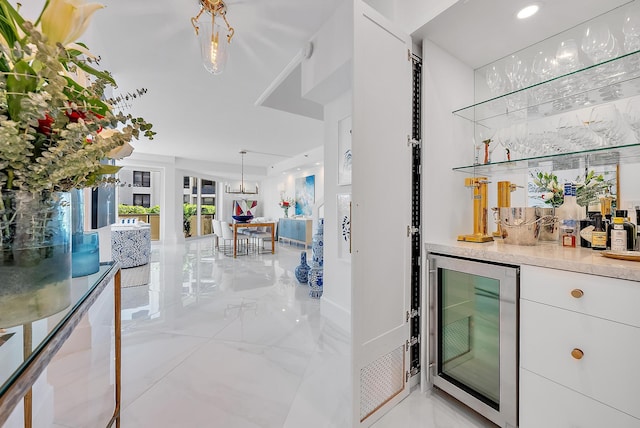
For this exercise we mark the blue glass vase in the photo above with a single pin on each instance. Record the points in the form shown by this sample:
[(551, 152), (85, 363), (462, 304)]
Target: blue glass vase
[(85, 253), (302, 270), (35, 255)]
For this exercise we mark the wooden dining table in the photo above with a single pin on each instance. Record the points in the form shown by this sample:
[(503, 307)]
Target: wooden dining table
[(236, 226)]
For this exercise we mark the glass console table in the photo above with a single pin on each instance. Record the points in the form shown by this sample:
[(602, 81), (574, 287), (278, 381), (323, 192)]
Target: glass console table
[(29, 353)]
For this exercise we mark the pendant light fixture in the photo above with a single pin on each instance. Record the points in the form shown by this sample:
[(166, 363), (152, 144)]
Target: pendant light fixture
[(242, 190), (214, 39)]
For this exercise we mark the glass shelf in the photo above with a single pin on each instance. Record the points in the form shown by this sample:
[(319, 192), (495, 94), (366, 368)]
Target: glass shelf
[(608, 81), (560, 161), (44, 331)]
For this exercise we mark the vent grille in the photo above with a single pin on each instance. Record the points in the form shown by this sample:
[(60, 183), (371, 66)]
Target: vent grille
[(380, 381)]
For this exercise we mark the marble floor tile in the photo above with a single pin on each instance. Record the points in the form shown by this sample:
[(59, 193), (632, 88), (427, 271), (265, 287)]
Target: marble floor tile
[(213, 341)]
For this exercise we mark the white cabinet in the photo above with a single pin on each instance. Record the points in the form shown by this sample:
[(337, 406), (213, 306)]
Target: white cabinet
[(551, 405), (578, 353)]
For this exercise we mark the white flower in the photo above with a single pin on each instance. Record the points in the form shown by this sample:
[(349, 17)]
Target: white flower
[(547, 196), (64, 21), (120, 152)]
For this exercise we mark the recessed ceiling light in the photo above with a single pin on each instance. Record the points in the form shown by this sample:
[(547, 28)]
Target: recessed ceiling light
[(528, 11)]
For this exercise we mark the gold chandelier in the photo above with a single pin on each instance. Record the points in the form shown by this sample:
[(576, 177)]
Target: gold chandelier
[(211, 35)]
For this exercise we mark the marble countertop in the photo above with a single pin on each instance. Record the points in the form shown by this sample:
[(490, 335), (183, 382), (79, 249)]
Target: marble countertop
[(545, 254)]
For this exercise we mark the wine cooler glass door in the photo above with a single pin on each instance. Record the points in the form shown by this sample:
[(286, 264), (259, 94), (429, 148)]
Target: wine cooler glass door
[(476, 343)]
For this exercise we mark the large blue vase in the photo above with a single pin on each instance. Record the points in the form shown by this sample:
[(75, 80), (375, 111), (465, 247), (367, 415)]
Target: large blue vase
[(316, 272), (302, 270), (35, 255)]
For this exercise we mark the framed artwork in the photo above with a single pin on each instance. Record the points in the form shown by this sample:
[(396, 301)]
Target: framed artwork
[(305, 195), (344, 151), (344, 226)]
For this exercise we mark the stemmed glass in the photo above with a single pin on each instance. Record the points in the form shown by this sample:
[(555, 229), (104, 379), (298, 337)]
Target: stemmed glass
[(485, 144), (494, 80), (599, 43), (580, 136), (606, 121), (632, 115), (631, 28)]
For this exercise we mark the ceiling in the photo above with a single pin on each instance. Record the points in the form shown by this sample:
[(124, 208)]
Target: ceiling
[(209, 118), (479, 32), (197, 115)]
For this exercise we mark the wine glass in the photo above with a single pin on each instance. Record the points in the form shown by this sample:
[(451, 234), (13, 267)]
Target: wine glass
[(631, 28), (599, 43), (484, 143), (512, 69), (567, 59), (606, 121), (494, 80), (632, 115)]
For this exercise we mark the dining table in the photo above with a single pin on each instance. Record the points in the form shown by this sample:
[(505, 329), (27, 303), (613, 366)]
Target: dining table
[(236, 226)]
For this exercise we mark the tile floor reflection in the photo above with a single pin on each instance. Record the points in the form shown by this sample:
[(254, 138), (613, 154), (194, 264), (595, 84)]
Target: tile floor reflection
[(213, 341)]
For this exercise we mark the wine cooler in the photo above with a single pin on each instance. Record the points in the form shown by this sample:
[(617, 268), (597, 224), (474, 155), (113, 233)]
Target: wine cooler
[(474, 340)]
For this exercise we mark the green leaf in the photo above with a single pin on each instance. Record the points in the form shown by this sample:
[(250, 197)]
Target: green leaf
[(108, 169), (20, 82), (7, 23), (93, 71)]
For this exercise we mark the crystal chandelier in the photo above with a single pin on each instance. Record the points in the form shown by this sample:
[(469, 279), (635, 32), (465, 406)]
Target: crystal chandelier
[(211, 35)]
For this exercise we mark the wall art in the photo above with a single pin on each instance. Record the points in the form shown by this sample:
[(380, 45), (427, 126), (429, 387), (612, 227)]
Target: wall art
[(344, 151), (305, 195), (344, 226)]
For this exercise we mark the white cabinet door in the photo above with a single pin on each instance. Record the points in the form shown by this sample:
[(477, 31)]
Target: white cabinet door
[(607, 369), (546, 404), (381, 214)]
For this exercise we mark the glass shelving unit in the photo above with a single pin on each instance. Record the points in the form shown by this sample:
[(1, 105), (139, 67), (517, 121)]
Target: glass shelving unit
[(627, 154), (606, 82)]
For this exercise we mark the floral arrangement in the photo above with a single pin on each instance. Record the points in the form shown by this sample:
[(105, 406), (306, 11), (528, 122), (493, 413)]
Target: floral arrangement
[(547, 185), (286, 202), (592, 188), (588, 190), (56, 127)]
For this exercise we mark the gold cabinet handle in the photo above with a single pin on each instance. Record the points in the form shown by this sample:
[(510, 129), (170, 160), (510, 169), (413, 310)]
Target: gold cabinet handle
[(577, 293), (577, 353)]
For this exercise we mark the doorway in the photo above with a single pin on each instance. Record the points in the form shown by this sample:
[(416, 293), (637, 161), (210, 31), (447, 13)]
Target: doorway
[(198, 206)]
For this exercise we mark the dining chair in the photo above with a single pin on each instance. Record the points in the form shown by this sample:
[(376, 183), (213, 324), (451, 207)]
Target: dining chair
[(217, 233), (242, 243)]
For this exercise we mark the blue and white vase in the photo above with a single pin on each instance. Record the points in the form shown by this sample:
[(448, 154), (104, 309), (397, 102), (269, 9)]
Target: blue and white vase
[(302, 270), (317, 263)]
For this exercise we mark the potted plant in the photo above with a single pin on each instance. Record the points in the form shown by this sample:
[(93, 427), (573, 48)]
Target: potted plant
[(56, 128)]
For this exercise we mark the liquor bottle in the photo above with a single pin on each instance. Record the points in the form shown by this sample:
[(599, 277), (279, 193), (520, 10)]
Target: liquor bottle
[(618, 235), (566, 214), (579, 212), (637, 247), (599, 235)]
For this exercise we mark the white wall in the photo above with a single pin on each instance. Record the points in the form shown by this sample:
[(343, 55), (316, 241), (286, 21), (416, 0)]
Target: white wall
[(410, 14), (336, 297), (327, 73), (284, 182), (447, 84)]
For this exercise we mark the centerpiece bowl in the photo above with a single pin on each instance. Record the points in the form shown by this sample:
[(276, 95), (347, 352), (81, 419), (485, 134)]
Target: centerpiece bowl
[(242, 218)]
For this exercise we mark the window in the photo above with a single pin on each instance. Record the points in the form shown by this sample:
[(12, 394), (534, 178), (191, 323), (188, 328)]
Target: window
[(207, 187), (186, 183), (142, 179), (208, 201), (142, 200)]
